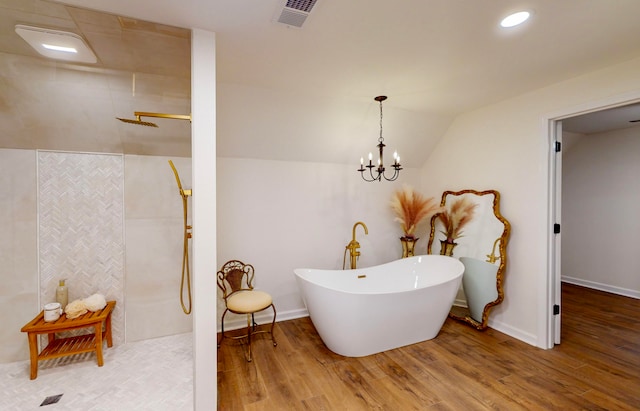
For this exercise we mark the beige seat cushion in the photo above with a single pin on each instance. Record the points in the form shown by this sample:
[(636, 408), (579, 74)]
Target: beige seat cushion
[(249, 301)]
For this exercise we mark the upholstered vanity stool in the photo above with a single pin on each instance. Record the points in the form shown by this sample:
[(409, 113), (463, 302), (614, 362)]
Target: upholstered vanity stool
[(235, 279)]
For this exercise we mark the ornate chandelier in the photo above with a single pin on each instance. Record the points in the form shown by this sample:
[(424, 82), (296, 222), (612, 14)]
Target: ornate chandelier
[(379, 173)]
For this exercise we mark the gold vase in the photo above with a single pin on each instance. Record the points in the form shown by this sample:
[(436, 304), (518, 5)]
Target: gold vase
[(408, 245), (446, 248)]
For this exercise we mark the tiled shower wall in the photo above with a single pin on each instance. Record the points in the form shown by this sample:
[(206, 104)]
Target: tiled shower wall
[(81, 228), (18, 250), (154, 241)]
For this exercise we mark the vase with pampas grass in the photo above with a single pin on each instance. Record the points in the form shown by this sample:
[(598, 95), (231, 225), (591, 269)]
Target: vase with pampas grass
[(455, 218), (411, 208)]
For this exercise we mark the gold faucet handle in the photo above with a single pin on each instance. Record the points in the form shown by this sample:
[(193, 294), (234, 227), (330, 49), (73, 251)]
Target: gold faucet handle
[(492, 258)]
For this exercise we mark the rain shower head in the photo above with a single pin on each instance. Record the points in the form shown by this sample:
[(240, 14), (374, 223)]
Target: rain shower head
[(137, 121), (139, 114)]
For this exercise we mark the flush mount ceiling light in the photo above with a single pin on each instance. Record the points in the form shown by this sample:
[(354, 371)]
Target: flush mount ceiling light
[(515, 19), (380, 167), (56, 44)]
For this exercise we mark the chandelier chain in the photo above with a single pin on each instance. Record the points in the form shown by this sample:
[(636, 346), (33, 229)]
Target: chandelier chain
[(381, 139)]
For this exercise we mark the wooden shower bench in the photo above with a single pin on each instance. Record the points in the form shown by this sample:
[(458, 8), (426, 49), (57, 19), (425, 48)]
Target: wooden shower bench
[(60, 347)]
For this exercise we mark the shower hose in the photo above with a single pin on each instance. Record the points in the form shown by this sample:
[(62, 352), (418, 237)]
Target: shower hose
[(186, 276)]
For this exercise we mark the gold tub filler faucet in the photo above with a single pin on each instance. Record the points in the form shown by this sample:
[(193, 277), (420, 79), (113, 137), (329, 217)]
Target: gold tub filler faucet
[(353, 246), (492, 258)]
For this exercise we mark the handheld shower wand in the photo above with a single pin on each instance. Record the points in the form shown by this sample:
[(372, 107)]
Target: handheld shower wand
[(186, 276)]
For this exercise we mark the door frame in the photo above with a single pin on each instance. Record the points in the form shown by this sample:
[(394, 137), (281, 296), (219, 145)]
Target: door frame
[(552, 123)]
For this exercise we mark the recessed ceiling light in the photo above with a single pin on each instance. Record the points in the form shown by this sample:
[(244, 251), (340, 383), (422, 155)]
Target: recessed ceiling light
[(56, 44), (515, 19)]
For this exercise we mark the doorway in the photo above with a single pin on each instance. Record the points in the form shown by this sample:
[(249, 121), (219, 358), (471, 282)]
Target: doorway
[(595, 137)]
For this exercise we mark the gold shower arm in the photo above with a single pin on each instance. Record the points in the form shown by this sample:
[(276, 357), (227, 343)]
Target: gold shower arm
[(163, 115)]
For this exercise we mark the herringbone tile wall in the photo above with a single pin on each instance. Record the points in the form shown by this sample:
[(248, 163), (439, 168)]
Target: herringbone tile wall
[(81, 228)]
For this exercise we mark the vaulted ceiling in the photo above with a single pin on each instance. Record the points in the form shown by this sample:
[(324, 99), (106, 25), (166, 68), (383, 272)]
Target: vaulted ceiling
[(295, 93)]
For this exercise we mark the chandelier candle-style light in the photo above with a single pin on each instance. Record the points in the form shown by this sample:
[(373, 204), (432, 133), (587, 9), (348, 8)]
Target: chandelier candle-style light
[(379, 174)]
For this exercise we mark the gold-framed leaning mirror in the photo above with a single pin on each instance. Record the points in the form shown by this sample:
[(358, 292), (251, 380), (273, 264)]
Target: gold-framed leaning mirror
[(472, 229)]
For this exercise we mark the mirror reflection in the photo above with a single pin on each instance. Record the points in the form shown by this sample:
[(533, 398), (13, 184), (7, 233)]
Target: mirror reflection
[(472, 229)]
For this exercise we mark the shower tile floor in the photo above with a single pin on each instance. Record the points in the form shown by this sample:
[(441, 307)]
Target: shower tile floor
[(153, 374)]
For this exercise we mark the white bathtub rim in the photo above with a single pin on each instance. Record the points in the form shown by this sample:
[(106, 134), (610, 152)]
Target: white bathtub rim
[(357, 271)]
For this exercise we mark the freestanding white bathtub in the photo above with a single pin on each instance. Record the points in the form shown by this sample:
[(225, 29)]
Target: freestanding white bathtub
[(369, 310)]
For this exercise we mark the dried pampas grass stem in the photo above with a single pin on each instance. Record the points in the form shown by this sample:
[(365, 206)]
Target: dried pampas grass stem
[(411, 208), (456, 217)]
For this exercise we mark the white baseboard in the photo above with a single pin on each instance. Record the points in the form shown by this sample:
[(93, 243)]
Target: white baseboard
[(513, 332), (459, 302), (503, 328), (265, 317), (602, 287)]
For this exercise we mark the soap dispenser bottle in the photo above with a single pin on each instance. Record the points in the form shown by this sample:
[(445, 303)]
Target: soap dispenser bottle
[(62, 294)]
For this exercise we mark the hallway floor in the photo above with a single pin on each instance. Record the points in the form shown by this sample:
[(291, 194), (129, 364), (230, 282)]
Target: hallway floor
[(153, 374)]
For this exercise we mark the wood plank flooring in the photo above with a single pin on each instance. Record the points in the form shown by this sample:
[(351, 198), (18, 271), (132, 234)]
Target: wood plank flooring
[(596, 367)]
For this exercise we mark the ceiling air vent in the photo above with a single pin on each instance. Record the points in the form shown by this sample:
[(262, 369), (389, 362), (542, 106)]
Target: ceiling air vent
[(295, 12)]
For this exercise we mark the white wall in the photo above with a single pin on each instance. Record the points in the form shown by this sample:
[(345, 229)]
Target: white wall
[(203, 153), (505, 147), (600, 225), (279, 215)]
